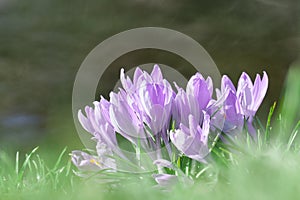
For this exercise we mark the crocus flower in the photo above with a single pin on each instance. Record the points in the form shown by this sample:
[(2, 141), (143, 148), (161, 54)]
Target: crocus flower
[(230, 108), (192, 140), (251, 95), (86, 162), (156, 100), (192, 102), (125, 117), (242, 103), (151, 97), (97, 122)]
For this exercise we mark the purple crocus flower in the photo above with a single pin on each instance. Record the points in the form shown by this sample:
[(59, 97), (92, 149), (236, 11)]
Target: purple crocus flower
[(125, 117), (242, 104), (192, 140), (251, 95), (230, 109), (150, 97), (87, 162), (192, 102), (97, 122)]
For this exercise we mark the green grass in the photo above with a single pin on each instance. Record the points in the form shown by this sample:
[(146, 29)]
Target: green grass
[(265, 169), (30, 175), (271, 173)]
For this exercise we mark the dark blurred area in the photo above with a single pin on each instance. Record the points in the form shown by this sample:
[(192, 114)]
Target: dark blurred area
[(43, 42)]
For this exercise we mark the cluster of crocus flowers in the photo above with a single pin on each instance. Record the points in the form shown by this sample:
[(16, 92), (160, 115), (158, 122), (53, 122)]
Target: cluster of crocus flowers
[(163, 125)]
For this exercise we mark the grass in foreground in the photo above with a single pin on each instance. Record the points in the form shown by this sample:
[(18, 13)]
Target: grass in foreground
[(267, 173)]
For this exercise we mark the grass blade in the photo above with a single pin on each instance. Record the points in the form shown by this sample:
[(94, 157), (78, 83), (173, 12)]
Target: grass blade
[(293, 136), (59, 159), (17, 163), (25, 164), (268, 126)]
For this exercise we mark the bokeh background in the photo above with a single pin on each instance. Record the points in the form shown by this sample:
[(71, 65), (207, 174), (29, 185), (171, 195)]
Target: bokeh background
[(43, 42)]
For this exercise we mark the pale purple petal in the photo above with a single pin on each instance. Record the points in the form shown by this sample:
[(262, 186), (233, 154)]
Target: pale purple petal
[(259, 91), (165, 180), (126, 81), (227, 83), (156, 74), (137, 74), (197, 87), (86, 124)]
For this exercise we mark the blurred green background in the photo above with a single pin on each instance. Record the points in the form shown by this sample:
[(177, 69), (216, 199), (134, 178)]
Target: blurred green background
[(43, 42)]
